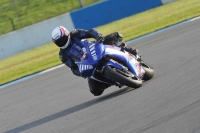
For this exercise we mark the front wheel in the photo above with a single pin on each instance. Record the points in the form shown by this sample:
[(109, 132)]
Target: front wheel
[(115, 75), (149, 71)]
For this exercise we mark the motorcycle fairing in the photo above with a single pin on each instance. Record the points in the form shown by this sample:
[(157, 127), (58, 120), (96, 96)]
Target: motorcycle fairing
[(128, 59), (95, 52), (76, 52), (88, 64)]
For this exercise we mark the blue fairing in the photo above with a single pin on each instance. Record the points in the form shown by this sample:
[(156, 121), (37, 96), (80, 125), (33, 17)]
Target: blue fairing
[(125, 57), (86, 66), (95, 52)]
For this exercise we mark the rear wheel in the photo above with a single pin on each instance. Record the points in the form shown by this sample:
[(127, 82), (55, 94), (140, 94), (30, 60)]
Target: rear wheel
[(121, 77)]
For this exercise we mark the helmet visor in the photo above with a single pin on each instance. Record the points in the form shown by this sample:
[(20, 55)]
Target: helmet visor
[(62, 41)]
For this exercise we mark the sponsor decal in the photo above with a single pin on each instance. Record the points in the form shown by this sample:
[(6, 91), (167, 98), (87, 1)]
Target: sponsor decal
[(84, 50), (84, 67), (93, 52)]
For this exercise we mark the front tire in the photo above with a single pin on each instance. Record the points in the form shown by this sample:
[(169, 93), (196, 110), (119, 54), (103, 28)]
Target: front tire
[(149, 71), (112, 74)]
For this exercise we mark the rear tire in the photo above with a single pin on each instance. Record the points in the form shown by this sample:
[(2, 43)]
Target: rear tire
[(112, 74)]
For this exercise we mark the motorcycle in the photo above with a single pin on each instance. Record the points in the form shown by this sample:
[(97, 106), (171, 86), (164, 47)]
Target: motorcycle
[(110, 64)]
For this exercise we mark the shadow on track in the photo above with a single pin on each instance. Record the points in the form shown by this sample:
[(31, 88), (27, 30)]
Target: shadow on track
[(69, 111)]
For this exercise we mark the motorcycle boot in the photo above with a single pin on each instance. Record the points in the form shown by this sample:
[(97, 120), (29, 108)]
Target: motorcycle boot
[(132, 51)]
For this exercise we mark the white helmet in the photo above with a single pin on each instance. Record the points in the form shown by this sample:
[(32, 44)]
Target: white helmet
[(61, 37)]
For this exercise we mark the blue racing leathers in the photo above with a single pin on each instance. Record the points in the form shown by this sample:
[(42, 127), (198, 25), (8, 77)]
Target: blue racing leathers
[(77, 34)]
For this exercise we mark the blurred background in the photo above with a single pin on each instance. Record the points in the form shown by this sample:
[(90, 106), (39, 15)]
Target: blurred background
[(29, 24), (16, 14)]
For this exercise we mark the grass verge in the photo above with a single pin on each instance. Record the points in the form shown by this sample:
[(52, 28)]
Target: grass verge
[(46, 56), (17, 14)]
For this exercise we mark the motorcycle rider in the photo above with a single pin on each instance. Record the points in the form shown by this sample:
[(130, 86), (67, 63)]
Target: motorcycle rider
[(65, 39)]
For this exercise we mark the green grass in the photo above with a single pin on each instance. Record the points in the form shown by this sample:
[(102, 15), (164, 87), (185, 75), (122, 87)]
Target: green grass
[(16, 14), (155, 19), (28, 62), (44, 57)]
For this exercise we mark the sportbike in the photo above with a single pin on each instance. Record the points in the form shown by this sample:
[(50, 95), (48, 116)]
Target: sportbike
[(110, 64)]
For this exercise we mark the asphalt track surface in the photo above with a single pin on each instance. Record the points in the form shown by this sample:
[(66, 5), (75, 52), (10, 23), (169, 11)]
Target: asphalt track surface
[(59, 102)]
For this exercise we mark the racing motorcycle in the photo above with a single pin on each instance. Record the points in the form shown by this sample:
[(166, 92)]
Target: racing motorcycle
[(110, 64)]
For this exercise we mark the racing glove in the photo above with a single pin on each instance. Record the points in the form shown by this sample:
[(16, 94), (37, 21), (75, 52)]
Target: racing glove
[(100, 39)]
